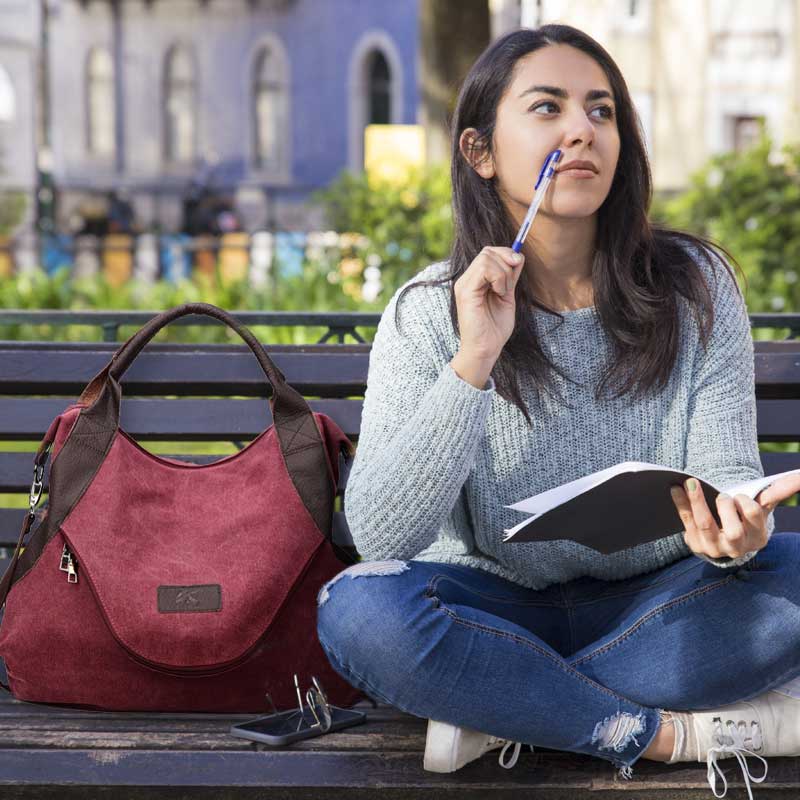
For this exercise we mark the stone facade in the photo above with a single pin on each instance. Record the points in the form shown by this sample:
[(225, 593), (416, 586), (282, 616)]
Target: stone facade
[(128, 80)]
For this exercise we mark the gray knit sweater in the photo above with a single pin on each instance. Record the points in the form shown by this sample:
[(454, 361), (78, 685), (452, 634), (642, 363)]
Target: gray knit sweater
[(439, 459)]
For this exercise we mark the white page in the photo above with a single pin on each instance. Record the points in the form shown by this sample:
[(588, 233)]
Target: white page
[(511, 531), (752, 488)]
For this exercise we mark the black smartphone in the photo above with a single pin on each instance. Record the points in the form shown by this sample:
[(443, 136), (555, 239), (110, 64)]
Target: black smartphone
[(282, 728)]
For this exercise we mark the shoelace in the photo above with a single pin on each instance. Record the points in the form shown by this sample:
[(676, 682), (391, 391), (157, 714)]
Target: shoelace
[(517, 749), (734, 742)]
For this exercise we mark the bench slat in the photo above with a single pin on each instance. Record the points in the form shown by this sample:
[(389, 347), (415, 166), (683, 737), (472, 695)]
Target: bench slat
[(211, 419), (334, 370), (305, 772), (197, 419), (191, 370), (777, 420)]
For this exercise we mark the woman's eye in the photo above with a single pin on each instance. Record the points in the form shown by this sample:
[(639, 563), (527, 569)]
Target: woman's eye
[(608, 111), (542, 105)]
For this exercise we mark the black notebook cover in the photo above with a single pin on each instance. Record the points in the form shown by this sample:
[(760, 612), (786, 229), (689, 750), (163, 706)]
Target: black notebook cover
[(626, 510)]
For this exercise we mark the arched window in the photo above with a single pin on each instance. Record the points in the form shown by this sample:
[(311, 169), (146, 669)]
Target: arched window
[(268, 109), (100, 102), (8, 97), (375, 90), (179, 106), (379, 87)]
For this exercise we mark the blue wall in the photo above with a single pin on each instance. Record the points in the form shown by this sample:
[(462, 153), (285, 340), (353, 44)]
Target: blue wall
[(320, 37)]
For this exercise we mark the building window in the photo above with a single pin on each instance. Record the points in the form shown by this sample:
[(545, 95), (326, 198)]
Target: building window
[(379, 90), (268, 109), (746, 131), (100, 102), (179, 106), (8, 97), (374, 89), (633, 16)]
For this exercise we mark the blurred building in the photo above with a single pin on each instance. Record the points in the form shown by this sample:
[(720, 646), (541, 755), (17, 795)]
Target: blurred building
[(157, 101), (704, 74), (146, 111), (18, 81)]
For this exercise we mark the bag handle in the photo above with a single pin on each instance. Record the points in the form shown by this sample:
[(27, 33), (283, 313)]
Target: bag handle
[(128, 352), (284, 396), (293, 418)]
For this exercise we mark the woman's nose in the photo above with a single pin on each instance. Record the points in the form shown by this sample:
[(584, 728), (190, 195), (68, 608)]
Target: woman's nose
[(579, 127)]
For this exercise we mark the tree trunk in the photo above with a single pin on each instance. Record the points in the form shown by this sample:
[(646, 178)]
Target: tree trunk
[(453, 33)]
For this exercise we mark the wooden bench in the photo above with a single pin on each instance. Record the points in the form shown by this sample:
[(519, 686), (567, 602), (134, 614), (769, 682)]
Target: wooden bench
[(57, 752)]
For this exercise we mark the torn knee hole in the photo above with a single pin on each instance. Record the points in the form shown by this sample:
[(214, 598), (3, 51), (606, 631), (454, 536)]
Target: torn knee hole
[(614, 733), (391, 566)]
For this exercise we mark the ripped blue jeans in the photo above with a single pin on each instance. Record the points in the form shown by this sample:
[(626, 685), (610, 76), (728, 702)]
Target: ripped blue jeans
[(585, 666)]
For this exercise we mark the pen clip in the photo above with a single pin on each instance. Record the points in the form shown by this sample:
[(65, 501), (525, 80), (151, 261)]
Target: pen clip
[(548, 162)]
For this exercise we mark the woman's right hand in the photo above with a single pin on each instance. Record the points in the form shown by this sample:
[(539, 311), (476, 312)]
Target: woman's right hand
[(485, 299)]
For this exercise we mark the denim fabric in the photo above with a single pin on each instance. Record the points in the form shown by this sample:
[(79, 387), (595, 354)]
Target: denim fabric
[(584, 666)]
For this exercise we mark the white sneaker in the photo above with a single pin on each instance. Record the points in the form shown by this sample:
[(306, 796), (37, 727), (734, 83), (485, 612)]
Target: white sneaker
[(766, 725), (449, 747)]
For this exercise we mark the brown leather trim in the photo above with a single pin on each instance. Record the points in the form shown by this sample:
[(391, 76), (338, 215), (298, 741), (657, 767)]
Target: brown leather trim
[(39, 462), (93, 388), (307, 464), (202, 597), (73, 469)]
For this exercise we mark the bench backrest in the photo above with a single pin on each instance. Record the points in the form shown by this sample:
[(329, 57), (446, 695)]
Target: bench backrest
[(218, 393)]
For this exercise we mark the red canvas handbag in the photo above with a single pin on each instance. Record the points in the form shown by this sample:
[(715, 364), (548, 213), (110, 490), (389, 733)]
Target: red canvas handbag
[(153, 584)]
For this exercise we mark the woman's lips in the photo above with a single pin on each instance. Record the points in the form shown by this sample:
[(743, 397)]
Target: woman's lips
[(577, 173)]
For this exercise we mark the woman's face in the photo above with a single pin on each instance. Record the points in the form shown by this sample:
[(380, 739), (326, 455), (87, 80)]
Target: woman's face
[(531, 123)]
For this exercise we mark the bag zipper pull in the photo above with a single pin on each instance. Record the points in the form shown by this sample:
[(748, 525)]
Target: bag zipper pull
[(69, 565)]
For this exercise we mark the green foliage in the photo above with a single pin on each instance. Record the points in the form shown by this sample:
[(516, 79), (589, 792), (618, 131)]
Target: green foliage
[(749, 202), (408, 225), (312, 291), (389, 233)]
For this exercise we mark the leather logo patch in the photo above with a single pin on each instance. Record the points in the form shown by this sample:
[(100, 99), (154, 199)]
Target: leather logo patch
[(205, 597)]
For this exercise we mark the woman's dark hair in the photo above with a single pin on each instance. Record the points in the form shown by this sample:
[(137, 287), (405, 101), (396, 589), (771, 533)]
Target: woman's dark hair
[(639, 266)]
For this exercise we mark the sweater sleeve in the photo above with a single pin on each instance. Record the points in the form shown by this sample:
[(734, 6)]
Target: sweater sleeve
[(722, 439), (421, 426)]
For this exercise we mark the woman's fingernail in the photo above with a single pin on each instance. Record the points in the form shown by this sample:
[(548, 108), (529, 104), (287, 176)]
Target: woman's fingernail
[(517, 257), (691, 484)]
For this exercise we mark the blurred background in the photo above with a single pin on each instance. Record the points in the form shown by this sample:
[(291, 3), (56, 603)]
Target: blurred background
[(293, 154)]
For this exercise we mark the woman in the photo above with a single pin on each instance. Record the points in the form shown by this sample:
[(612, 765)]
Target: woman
[(553, 643)]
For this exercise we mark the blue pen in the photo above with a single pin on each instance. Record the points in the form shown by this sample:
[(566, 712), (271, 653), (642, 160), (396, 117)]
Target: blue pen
[(545, 176)]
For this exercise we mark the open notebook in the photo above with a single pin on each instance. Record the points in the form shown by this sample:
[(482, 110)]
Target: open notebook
[(618, 507)]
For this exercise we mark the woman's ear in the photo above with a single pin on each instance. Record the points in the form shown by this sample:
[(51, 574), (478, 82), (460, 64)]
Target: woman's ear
[(476, 156)]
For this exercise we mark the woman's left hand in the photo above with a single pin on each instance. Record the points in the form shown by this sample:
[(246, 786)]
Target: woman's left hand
[(744, 520)]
